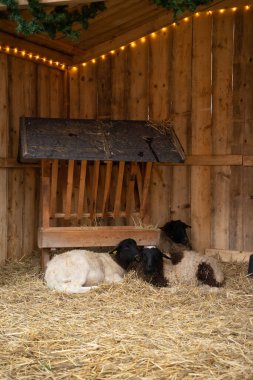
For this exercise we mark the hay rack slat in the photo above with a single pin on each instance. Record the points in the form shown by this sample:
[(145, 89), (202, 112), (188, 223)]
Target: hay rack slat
[(95, 174)]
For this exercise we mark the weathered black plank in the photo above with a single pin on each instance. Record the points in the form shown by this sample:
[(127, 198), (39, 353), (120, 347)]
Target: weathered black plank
[(74, 139)]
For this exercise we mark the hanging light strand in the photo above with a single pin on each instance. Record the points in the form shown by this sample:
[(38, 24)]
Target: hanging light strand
[(62, 66), (32, 56)]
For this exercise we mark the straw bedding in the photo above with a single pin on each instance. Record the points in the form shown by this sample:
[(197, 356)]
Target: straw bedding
[(124, 331)]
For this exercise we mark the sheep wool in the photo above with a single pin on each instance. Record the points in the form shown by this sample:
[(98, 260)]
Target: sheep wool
[(192, 268), (78, 271)]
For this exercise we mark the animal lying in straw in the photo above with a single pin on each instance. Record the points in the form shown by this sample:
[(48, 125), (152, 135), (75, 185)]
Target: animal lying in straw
[(184, 267), (190, 267), (187, 266), (78, 271), (149, 266)]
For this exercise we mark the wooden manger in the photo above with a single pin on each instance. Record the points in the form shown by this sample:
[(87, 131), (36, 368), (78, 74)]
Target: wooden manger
[(95, 178)]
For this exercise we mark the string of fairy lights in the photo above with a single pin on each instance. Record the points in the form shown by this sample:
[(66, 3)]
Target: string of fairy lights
[(62, 66)]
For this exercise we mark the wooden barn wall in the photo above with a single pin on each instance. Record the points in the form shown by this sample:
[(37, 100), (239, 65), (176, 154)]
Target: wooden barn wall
[(200, 75), (26, 89)]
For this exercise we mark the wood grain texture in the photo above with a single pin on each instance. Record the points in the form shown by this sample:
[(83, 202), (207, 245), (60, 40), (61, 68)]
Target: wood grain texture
[(115, 140), (159, 104), (181, 115), (201, 132), (95, 236), (239, 103), (4, 124), (222, 74), (248, 130)]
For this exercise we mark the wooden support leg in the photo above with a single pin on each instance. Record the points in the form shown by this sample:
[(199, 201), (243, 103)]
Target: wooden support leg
[(45, 257)]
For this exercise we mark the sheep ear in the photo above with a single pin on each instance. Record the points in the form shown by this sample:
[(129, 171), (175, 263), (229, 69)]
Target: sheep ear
[(166, 257)]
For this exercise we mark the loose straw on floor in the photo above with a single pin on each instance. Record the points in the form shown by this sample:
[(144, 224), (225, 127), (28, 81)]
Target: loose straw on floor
[(124, 331)]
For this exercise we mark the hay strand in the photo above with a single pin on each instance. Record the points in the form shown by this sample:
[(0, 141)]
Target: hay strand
[(124, 331)]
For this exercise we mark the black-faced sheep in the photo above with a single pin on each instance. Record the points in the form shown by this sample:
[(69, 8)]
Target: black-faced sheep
[(149, 266), (175, 230), (184, 267), (78, 271), (190, 267), (187, 266)]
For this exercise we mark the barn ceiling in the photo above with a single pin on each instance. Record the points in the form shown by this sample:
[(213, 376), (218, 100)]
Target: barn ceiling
[(122, 22)]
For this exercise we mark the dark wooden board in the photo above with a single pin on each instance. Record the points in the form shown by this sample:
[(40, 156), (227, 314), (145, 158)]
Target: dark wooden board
[(73, 139)]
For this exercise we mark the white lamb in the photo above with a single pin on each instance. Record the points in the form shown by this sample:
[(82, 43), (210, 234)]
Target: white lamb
[(78, 271)]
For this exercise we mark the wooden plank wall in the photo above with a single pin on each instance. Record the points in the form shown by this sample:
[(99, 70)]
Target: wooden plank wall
[(198, 74), (27, 89)]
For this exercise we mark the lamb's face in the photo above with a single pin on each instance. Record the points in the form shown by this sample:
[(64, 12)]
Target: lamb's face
[(176, 231), (152, 259), (127, 251)]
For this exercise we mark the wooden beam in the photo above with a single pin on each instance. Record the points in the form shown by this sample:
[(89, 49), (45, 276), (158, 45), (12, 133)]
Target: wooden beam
[(123, 39), (146, 28), (195, 160), (24, 3), (211, 160), (229, 255), (12, 163), (56, 237), (21, 44), (248, 160)]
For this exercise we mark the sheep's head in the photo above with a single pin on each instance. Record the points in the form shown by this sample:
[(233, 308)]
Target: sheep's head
[(152, 259), (176, 231), (126, 252)]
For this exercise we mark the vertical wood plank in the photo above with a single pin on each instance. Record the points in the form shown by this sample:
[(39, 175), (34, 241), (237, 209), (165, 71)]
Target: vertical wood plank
[(248, 131), (104, 88), (222, 75), (119, 184), (119, 85), (236, 190), (119, 112), (139, 183), (107, 187), (45, 196), (88, 91), (43, 91), (201, 132), (54, 183), (30, 208), (69, 189), (181, 116), (81, 189), (57, 94), (137, 105), (145, 192), (94, 191), (16, 195), (137, 91), (74, 94), (159, 109), (4, 108), (130, 189)]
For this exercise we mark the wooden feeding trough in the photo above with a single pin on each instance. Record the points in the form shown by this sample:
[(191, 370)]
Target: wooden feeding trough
[(95, 174)]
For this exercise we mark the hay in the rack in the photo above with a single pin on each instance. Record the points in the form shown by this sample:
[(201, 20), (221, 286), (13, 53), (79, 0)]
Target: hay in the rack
[(162, 126), (125, 331)]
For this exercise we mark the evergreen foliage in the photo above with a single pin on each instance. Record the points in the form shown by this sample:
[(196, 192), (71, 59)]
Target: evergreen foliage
[(60, 19)]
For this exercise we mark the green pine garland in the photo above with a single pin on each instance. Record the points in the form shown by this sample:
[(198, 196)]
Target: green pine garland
[(58, 20), (61, 20), (180, 6)]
